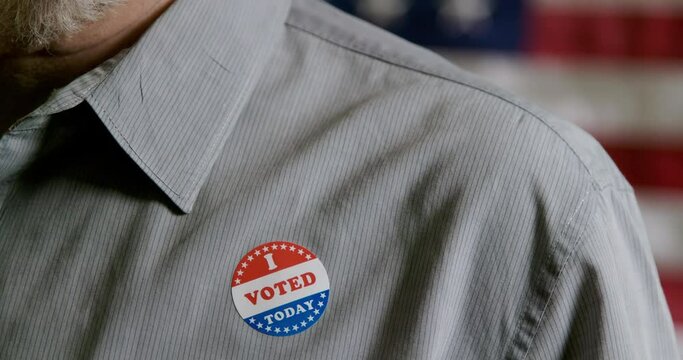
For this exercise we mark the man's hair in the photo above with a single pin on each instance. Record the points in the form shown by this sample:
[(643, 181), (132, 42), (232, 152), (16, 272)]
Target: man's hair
[(36, 23)]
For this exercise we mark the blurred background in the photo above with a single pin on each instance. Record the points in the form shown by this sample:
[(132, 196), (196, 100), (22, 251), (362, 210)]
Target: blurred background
[(614, 67)]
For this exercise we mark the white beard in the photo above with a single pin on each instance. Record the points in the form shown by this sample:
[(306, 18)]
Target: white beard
[(34, 24)]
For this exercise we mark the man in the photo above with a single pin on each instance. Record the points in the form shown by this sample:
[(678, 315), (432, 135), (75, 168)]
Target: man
[(205, 153)]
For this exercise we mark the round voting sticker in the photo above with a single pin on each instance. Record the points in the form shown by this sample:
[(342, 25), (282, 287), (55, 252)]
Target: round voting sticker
[(280, 288)]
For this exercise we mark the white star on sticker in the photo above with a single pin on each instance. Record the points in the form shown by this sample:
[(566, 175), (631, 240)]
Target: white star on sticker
[(267, 328), (274, 247), (252, 320), (310, 318), (322, 295), (237, 281), (292, 248), (316, 311), (320, 303), (287, 330), (244, 265), (300, 252), (240, 272), (283, 247), (257, 252), (277, 330), (265, 249), (303, 323), (250, 258), (259, 325), (295, 327), (308, 257)]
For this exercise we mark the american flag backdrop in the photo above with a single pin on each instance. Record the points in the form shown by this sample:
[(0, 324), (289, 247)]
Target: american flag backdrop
[(615, 67)]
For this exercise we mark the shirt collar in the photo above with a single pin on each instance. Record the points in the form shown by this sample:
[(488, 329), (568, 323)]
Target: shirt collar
[(173, 99)]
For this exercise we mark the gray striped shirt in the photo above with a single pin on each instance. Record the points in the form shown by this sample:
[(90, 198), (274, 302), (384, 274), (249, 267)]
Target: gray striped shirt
[(454, 221)]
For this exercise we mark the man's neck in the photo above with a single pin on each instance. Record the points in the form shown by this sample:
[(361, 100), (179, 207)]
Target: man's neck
[(29, 78)]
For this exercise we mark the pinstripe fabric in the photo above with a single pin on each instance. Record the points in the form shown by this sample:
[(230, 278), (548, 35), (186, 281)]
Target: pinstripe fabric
[(17, 148), (453, 220)]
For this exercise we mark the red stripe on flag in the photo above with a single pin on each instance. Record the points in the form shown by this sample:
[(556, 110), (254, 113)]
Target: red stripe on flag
[(648, 164), (673, 289), (605, 33)]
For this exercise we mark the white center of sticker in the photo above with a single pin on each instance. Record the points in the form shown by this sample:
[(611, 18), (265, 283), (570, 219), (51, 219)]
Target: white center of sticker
[(280, 288)]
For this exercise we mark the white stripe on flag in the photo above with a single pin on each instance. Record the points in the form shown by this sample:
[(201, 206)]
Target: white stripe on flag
[(601, 97), (663, 215)]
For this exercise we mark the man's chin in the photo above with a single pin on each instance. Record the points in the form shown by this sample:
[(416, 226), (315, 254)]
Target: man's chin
[(38, 28), (13, 48)]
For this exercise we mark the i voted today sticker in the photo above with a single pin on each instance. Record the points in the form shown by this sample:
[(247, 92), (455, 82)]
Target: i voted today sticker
[(280, 288)]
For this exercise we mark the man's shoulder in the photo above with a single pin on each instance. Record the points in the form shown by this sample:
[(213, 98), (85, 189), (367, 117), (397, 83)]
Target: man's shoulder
[(329, 24), (463, 100)]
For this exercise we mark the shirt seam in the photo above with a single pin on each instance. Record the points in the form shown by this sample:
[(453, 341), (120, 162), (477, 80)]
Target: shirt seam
[(26, 129), (413, 67), (75, 94), (132, 150), (515, 340), (54, 108)]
